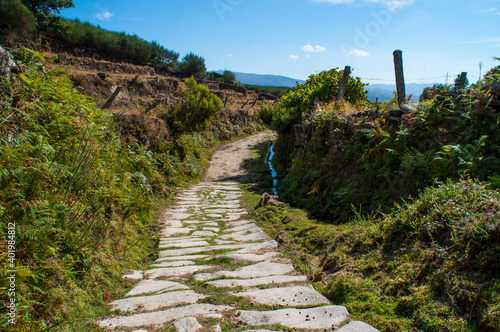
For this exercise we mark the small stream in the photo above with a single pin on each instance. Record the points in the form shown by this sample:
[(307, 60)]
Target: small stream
[(271, 167)]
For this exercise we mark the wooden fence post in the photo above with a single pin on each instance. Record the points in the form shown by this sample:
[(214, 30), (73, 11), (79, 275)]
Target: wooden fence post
[(225, 101), (400, 78), (153, 105), (112, 98), (343, 83)]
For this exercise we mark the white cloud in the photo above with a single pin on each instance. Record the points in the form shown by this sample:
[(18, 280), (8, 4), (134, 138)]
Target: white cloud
[(390, 4), (295, 57), (488, 10), (104, 15), (483, 40), (308, 56), (314, 49), (359, 53), (336, 2), (229, 55)]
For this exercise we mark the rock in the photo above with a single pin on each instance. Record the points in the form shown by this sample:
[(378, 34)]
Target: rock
[(102, 75), (263, 269), (187, 324), (326, 317), (272, 280), (407, 109), (153, 302), (494, 88), (297, 296), (250, 257), (267, 199), (6, 62), (134, 275), (165, 316), (155, 286), (357, 327), (172, 272)]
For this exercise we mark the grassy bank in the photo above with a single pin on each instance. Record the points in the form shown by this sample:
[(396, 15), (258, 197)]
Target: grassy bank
[(81, 196), (430, 264)]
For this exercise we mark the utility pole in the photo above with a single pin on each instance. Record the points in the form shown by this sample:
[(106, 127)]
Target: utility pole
[(446, 79), (480, 69)]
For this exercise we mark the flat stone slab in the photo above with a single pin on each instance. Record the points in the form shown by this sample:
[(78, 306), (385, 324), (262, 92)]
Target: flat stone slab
[(296, 296), (155, 286), (165, 316), (173, 272), (252, 237), (217, 241), (173, 263), (205, 233), (178, 215), (187, 324), (186, 244), (189, 251), (134, 275), (153, 302), (174, 258), (172, 231), (357, 327), (326, 317), (279, 279), (257, 248), (239, 223), (240, 227), (251, 257), (263, 269)]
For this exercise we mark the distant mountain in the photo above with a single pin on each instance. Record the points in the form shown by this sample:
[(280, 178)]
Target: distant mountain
[(381, 91), (264, 80), (385, 91)]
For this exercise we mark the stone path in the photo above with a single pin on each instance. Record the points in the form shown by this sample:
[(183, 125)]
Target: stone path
[(218, 271)]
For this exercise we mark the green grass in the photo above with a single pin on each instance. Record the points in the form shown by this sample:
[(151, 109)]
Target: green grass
[(428, 265), (85, 200)]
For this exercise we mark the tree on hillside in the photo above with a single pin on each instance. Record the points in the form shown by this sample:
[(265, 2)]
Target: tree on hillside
[(192, 65), (48, 6), (229, 77), (48, 24), (162, 58), (16, 21)]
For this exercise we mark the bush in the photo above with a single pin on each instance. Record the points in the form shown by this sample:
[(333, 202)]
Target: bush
[(197, 106), (325, 86)]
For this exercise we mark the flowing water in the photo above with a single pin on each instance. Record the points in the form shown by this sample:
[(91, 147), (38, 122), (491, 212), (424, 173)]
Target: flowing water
[(271, 167)]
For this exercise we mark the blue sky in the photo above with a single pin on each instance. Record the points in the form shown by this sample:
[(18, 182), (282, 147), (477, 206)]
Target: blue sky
[(297, 38)]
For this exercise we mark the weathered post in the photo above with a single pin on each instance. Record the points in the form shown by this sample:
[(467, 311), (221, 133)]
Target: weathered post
[(245, 103), (462, 80), (400, 78), (112, 98), (152, 106), (225, 101), (343, 83), (255, 101)]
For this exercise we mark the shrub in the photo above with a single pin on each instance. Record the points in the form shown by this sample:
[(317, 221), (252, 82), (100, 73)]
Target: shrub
[(197, 106), (324, 85)]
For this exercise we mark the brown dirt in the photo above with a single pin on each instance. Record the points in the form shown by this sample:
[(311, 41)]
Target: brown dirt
[(226, 163)]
